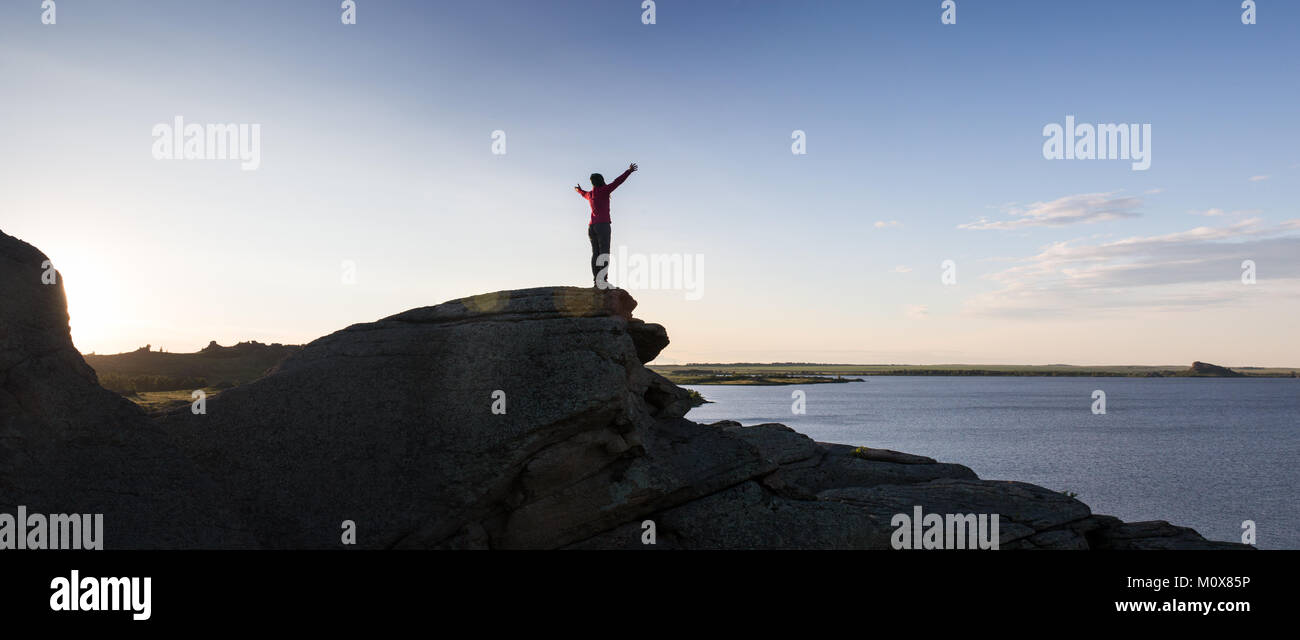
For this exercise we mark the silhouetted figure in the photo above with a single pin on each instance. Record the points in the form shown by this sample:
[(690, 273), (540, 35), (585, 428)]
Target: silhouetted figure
[(598, 226)]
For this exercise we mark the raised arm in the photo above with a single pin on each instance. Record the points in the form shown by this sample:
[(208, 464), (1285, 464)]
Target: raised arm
[(619, 180), (578, 188)]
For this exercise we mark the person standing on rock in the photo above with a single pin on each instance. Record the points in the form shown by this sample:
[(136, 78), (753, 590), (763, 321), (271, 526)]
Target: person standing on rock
[(598, 226)]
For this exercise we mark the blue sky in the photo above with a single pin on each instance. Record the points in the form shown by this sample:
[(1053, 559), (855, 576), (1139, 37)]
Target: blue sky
[(376, 149)]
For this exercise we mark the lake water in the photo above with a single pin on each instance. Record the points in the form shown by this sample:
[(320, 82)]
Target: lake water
[(1206, 453)]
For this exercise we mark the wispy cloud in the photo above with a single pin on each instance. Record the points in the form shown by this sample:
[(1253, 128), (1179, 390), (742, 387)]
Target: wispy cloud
[(1076, 209), (901, 269), (1260, 178), (1220, 212), (916, 311), (1195, 268), (892, 224)]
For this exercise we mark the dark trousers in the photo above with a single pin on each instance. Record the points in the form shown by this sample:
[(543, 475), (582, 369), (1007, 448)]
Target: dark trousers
[(599, 235)]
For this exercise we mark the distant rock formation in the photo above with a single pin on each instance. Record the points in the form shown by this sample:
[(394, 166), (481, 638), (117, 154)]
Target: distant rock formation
[(68, 446), (246, 349), (1212, 370), (212, 366), (516, 419)]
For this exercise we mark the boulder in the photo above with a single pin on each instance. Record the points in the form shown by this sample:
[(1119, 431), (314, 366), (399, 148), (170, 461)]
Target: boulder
[(666, 399), (777, 442)]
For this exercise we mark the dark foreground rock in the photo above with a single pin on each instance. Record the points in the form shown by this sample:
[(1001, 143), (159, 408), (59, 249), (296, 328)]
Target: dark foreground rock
[(391, 425), (517, 419), (68, 446)]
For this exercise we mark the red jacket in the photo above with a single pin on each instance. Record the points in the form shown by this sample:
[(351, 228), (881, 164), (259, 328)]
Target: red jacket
[(599, 198)]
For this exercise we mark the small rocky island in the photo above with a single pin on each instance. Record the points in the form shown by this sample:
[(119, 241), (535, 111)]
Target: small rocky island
[(1206, 370), (511, 420)]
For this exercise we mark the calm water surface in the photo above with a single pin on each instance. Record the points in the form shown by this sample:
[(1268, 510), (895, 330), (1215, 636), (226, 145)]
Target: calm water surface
[(1204, 453)]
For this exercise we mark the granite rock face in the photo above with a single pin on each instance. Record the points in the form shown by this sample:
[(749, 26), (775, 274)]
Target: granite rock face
[(527, 419), (68, 446), (516, 419), (519, 419)]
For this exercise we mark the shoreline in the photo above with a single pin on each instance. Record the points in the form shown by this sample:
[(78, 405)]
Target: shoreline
[(801, 373)]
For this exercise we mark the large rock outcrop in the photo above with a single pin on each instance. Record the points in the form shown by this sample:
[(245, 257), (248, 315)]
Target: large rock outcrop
[(518, 419), (68, 446), (391, 425), (515, 419)]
